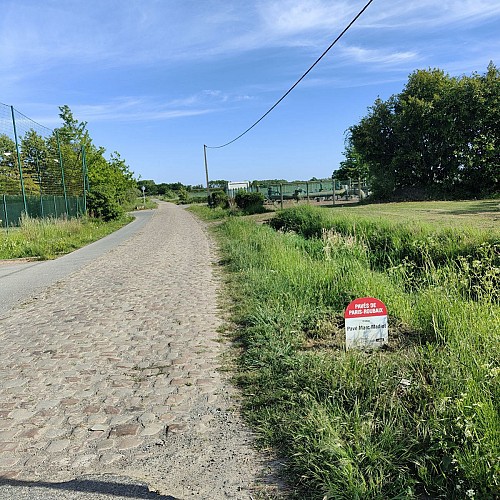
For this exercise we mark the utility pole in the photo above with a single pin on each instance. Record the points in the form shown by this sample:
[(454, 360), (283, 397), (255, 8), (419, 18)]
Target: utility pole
[(206, 173)]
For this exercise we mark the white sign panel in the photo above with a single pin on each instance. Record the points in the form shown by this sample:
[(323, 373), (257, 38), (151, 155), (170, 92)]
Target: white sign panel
[(366, 324)]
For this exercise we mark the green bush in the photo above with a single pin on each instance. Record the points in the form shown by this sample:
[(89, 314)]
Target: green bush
[(102, 203), (304, 220), (219, 199), (250, 203)]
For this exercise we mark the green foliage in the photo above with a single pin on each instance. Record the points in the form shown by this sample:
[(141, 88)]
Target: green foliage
[(303, 219), (250, 203), (183, 195), (438, 137), (218, 184), (151, 189), (10, 182), (353, 167), (111, 183), (219, 199), (345, 423), (473, 258)]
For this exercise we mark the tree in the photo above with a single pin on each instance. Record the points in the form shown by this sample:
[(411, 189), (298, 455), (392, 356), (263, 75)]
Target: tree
[(353, 167), (218, 184), (10, 181), (111, 182), (150, 187), (438, 137), (34, 156), (112, 185)]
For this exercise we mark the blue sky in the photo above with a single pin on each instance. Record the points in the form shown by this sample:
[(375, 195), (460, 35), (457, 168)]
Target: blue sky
[(157, 79)]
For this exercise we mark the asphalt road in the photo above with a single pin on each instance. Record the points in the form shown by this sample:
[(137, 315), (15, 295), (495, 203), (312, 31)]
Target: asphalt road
[(20, 282)]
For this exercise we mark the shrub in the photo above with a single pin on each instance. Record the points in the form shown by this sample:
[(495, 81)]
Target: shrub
[(304, 220), (183, 195), (102, 203), (250, 203), (219, 199)]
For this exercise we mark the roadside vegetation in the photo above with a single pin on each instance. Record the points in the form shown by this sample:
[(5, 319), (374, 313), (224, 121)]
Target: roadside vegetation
[(419, 419), (43, 239), (110, 189), (438, 138)]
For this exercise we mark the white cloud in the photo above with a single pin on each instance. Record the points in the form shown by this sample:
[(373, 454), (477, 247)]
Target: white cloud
[(430, 14), (126, 109), (115, 32), (290, 17), (378, 56)]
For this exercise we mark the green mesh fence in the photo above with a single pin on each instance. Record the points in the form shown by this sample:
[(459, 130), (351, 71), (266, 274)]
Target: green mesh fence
[(38, 176), (320, 190)]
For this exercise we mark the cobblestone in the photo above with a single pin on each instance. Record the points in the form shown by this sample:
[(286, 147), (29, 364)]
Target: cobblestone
[(114, 370)]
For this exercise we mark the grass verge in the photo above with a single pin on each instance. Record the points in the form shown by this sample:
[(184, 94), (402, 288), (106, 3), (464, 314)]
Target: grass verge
[(49, 238), (346, 424)]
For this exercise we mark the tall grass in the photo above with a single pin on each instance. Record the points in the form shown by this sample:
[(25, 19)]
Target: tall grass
[(347, 425), (47, 238)]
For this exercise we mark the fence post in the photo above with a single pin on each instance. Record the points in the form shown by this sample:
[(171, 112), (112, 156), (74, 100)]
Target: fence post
[(281, 195), (19, 161), (307, 191), (6, 213), (55, 206), (39, 182), (62, 174), (333, 189), (85, 180)]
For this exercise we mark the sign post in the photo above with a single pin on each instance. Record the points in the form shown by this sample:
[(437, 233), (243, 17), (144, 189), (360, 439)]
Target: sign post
[(366, 324)]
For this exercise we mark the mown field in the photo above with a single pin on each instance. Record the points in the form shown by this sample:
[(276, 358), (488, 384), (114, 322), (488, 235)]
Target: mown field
[(418, 419)]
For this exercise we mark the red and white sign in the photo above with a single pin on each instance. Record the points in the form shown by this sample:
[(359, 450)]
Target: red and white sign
[(366, 324)]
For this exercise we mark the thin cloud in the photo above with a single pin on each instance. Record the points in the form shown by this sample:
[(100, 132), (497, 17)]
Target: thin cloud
[(378, 56), (431, 14), (148, 32), (126, 109)]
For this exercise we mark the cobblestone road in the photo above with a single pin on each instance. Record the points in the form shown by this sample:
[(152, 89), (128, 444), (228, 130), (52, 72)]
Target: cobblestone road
[(114, 371)]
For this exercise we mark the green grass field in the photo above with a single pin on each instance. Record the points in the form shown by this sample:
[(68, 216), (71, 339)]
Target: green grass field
[(484, 214), (344, 423)]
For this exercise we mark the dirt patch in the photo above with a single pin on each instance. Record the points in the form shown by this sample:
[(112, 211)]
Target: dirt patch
[(329, 333)]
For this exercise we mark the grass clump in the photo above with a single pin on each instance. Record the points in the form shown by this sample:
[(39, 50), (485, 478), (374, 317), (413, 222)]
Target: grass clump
[(209, 213), (346, 423), (43, 239)]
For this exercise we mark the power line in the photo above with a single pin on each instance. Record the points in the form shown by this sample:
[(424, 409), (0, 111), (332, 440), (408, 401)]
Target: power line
[(298, 81)]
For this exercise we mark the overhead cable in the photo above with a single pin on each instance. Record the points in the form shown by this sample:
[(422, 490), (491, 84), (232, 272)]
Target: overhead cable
[(298, 81)]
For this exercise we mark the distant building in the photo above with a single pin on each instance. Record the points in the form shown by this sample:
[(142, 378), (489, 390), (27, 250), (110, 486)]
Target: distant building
[(234, 186)]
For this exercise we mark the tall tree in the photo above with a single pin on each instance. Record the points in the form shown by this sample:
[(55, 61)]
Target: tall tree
[(111, 182), (438, 137)]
